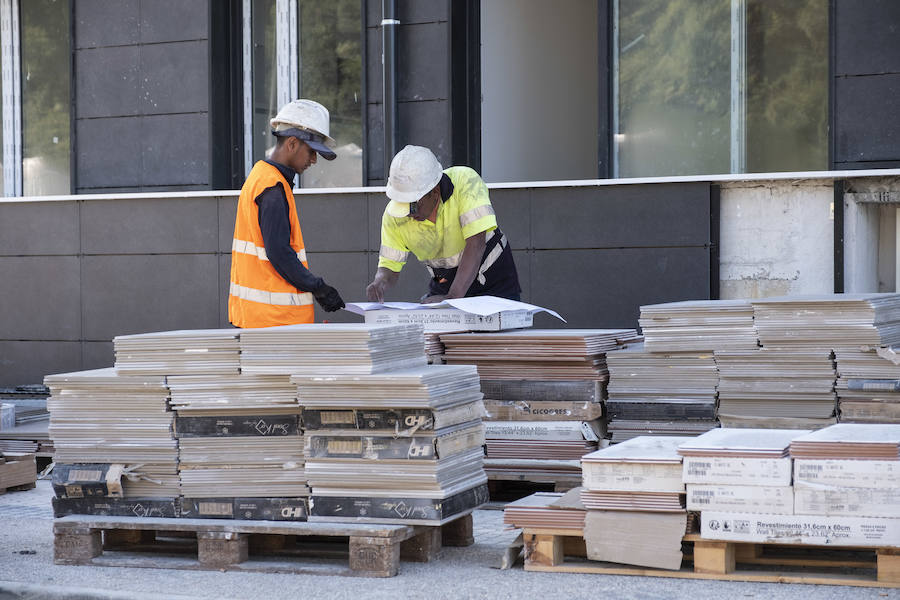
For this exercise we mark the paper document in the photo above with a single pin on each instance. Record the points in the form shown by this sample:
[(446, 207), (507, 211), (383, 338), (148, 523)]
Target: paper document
[(476, 305)]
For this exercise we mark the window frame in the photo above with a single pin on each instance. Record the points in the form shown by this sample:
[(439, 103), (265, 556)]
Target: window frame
[(12, 97)]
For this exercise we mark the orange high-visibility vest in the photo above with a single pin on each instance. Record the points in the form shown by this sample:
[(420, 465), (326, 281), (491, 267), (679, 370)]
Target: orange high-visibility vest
[(259, 296)]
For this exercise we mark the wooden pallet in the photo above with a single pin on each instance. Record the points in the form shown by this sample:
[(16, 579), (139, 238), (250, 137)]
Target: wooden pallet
[(563, 551), (263, 546)]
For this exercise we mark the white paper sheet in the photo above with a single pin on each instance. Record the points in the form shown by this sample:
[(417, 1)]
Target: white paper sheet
[(477, 305)]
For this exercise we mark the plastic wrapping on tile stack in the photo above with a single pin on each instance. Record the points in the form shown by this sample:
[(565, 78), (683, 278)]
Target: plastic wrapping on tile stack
[(544, 391), (402, 446)]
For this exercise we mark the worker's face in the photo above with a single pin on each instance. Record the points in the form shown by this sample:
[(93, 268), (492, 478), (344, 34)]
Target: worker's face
[(303, 156), (426, 204)]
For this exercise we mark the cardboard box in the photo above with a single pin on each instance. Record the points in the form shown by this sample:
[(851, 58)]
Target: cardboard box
[(561, 431), (389, 419), (117, 507), (737, 471), (536, 410), (86, 480), (254, 509), (436, 320), (255, 426), (637, 477), (847, 473), (855, 502), (413, 511), (741, 498), (423, 446), (800, 529)]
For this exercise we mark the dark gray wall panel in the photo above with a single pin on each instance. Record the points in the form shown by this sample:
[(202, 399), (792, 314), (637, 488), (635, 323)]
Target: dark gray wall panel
[(93, 21), (346, 271), (878, 164), (170, 77), (174, 20), (621, 216), (411, 285), (375, 144), (107, 82), (522, 259), (334, 222), (97, 355), (28, 362), (137, 294), (421, 73), (426, 124), (605, 288), (108, 154), (175, 149), (38, 228), (150, 226), (513, 209), (377, 203), (224, 278), (40, 298), (227, 216), (866, 122), (867, 37)]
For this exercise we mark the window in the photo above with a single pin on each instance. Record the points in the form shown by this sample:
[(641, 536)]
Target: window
[(35, 55), (305, 49), (720, 86)]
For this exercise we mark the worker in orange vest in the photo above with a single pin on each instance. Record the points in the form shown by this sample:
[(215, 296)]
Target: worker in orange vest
[(271, 283)]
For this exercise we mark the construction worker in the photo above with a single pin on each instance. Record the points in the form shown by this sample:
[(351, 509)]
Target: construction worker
[(270, 279), (445, 218)]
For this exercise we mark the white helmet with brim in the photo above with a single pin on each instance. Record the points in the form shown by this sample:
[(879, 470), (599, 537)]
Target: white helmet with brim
[(305, 120), (414, 172)]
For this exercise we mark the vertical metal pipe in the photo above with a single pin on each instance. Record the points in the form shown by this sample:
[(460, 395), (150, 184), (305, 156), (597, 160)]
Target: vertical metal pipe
[(389, 25)]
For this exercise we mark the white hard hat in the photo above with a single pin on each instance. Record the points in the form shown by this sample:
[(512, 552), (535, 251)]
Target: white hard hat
[(306, 120), (414, 172)]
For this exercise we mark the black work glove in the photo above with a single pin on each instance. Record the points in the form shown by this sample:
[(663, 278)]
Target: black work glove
[(328, 298)]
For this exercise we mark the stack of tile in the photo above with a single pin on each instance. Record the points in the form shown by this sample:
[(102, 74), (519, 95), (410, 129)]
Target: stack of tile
[(868, 385), (402, 446), (547, 510), (102, 422), (544, 392), (742, 470), (698, 325), (239, 437), (848, 470), (828, 321), (776, 388), (660, 393), (635, 500), (326, 348), (187, 352)]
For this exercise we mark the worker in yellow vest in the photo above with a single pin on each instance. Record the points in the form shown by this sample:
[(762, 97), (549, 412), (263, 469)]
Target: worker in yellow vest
[(271, 283), (445, 218)]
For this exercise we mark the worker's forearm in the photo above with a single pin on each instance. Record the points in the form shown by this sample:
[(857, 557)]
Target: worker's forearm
[(468, 266)]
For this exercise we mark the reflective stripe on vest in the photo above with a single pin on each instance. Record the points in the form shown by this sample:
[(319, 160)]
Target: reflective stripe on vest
[(275, 298), (393, 254), (470, 216), (492, 257), (245, 247), (444, 263)]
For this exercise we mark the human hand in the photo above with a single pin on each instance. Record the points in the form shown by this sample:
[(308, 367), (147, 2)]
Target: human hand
[(375, 291), (434, 299), (328, 298)]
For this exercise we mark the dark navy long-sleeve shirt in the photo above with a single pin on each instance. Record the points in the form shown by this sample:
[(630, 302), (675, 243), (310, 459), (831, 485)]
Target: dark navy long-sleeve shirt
[(275, 225)]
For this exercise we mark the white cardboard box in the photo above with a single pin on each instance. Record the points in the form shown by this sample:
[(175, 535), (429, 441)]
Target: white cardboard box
[(737, 471), (544, 430), (800, 529), (743, 498), (634, 476), (854, 502), (847, 473), (436, 320)]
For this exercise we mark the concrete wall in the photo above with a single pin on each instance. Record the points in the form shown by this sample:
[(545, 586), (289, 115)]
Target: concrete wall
[(141, 80), (423, 80), (777, 238), (866, 94), (119, 264), (539, 79)]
